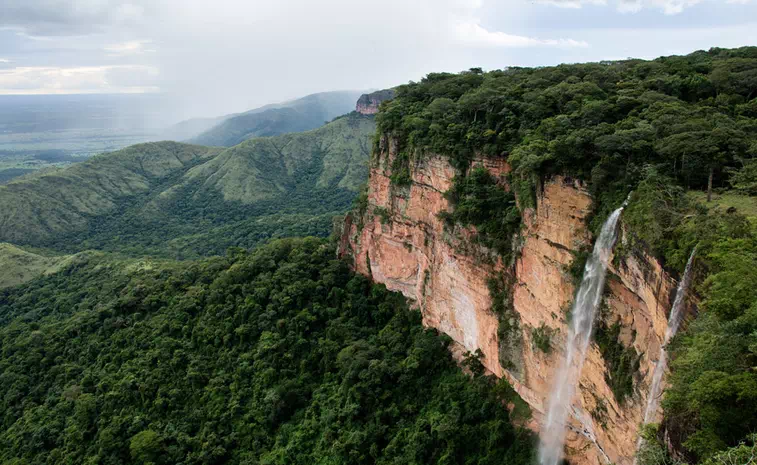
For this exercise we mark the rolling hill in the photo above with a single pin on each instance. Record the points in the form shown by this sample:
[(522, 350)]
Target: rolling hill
[(298, 115), (18, 266), (184, 201)]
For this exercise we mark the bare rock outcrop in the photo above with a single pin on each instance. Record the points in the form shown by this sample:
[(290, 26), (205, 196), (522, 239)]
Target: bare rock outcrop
[(368, 104)]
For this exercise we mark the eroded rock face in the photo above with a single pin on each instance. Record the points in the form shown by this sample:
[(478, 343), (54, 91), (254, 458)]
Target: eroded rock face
[(400, 241), (368, 104)]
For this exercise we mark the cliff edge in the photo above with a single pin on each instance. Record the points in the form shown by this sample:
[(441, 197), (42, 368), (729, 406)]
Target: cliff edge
[(399, 240)]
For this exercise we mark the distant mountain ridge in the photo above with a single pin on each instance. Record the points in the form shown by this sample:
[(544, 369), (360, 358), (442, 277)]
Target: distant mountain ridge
[(298, 115), (182, 200)]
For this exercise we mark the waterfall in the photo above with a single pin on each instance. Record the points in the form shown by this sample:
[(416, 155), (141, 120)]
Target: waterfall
[(579, 335), (674, 322)]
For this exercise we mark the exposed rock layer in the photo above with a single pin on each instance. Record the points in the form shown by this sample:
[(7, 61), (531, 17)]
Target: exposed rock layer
[(400, 241), (368, 104)]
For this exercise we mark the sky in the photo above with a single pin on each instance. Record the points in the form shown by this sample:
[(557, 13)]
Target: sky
[(213, 57)]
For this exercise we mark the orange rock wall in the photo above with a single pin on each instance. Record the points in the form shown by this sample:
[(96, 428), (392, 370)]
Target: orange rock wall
[(401, 242)]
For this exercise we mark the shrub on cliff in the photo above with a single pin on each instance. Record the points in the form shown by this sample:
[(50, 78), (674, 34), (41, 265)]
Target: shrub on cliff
[(478, 200)]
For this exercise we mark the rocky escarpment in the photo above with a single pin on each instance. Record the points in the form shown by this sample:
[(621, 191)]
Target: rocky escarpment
[(368, 104), (400, 241)]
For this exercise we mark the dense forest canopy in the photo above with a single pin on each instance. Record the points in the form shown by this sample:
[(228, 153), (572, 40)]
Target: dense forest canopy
[(278, 356), (693, 117)]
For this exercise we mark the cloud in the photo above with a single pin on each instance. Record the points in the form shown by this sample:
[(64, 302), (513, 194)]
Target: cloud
[(128, 77), (572, 3), (78, 80), (669, 7), (46, 18), (467, 30), (471, 32), (131, 47), (224, 56)]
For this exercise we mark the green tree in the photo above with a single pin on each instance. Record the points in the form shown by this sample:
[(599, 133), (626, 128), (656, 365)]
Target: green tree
[(145, 446)]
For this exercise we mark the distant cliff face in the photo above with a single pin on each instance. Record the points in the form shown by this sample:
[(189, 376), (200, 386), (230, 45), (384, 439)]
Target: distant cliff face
[(368, 104), (400, 241)]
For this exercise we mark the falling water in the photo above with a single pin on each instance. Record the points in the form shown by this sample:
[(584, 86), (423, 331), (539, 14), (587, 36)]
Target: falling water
[(579, 334), (674, 322)]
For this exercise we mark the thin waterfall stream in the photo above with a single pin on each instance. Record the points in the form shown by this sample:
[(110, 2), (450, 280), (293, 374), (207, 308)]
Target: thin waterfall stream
[(674, 323), (579, 335)]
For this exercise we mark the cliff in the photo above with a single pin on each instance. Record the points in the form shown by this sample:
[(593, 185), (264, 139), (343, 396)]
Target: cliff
[(368, 104), (399, 240)]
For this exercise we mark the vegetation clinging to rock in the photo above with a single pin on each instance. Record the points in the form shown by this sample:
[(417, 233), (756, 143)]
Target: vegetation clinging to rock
[(478, 200)]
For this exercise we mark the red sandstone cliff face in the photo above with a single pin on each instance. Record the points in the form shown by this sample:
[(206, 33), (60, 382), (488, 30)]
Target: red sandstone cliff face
[(400, 241)]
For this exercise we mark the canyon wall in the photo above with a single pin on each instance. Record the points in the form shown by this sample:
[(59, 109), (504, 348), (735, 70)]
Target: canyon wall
[(400, 241)]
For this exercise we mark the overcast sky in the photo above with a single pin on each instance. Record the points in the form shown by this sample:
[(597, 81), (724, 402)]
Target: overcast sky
[(221, 56)]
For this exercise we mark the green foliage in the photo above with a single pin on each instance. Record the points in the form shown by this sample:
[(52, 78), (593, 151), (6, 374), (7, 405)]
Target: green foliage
[(542, 338), (728, 200), (472, 362), (521, 410), (278, 356), (384, 214), (651, 450), (401, 170), (183, 201), (508, 330), (11, 173), (745, 179), (578, 264), (599, 412), (712, 400), (145, 446), (688, 116), (360, 206), (622, 362), (656, 209), (479, 201), (711, 403), (743, 454), (18, 266), (732, 287)]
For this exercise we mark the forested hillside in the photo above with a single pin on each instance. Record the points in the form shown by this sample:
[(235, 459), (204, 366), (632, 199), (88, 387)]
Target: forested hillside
[(680, 134), (278, 356), (298, 115), (53, 203), (179, 200)]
